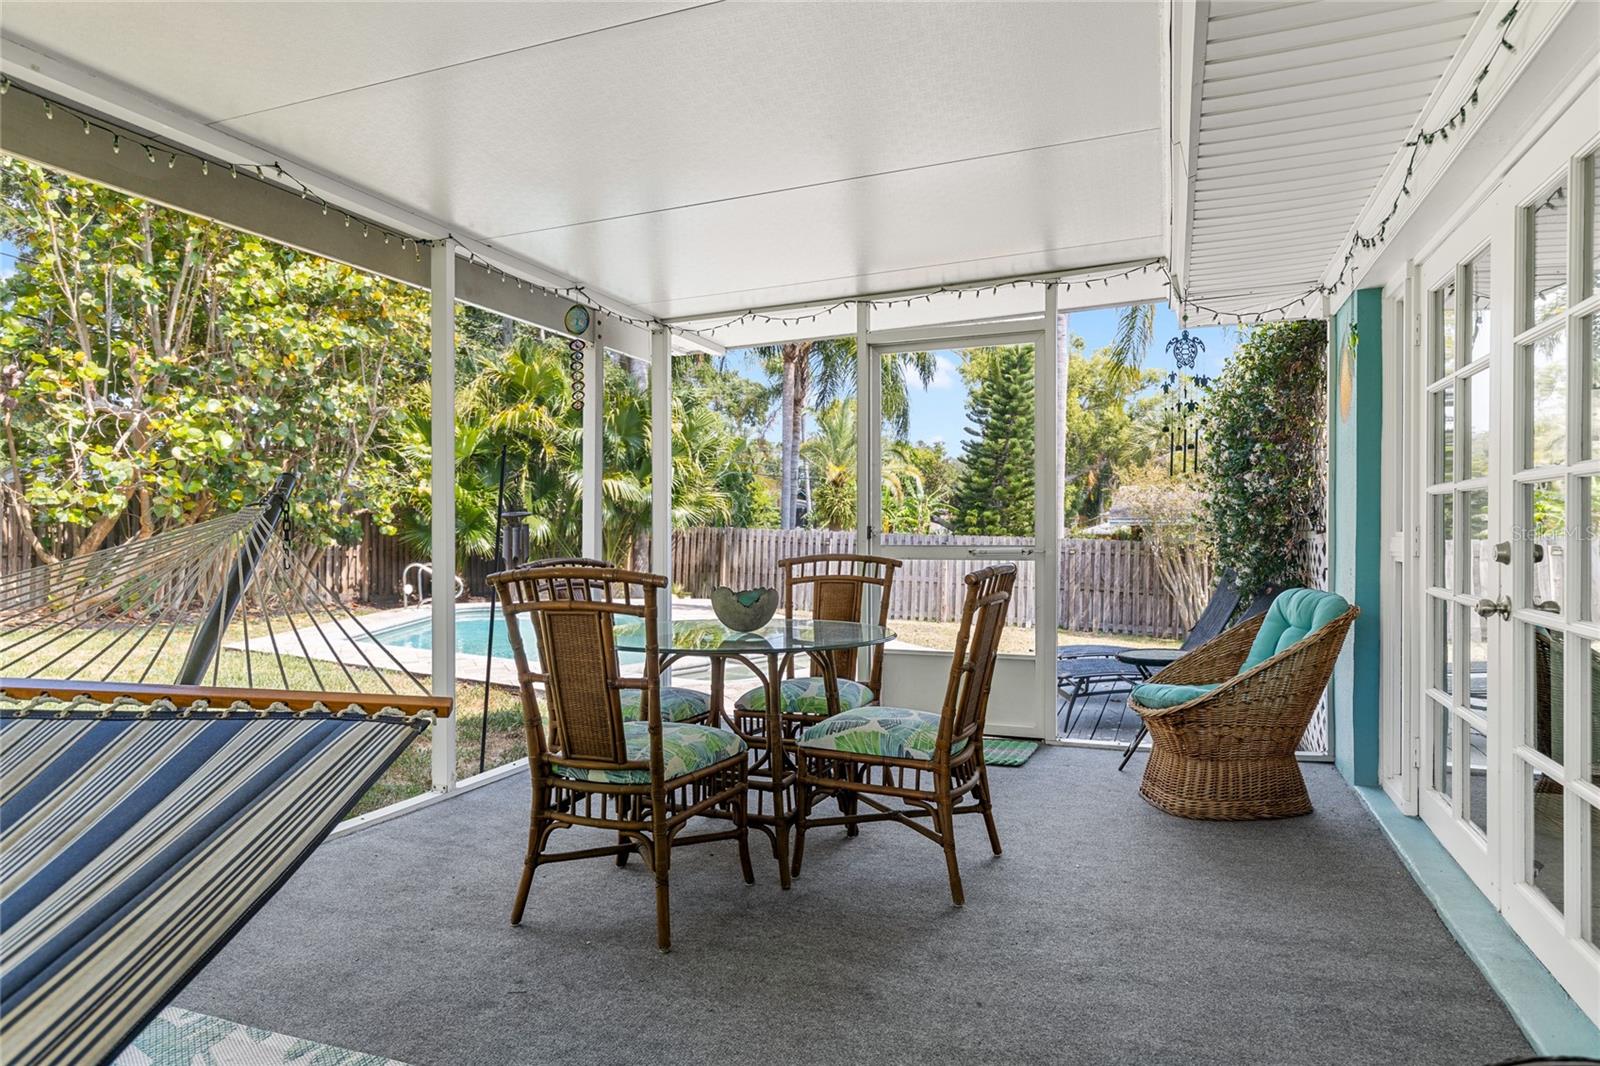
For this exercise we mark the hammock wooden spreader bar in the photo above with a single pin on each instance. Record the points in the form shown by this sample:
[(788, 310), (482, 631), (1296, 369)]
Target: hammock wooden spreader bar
[(141, 826)]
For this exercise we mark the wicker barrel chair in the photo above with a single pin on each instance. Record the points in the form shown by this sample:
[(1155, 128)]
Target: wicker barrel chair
[(1226, 718), (644, 780)]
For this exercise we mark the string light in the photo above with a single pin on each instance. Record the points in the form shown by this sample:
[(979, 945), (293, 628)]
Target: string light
[(1358, 241)]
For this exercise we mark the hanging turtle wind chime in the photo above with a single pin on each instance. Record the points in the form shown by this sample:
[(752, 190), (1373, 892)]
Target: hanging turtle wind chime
[(1182, 420)]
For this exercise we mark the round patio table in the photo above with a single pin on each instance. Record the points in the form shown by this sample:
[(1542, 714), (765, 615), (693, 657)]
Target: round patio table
[(1147, 661), (767, 653)]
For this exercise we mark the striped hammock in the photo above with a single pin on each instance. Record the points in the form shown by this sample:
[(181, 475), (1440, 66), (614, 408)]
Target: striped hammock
[(137, 835)]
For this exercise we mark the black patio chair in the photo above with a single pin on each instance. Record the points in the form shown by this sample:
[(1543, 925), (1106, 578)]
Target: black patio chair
[(1152, 660), (1084, 670)]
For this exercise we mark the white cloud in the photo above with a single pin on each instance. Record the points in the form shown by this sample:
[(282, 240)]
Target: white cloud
[(946, 373)]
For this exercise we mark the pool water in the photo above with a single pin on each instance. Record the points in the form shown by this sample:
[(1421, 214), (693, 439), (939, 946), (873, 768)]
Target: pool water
[(472, 634)]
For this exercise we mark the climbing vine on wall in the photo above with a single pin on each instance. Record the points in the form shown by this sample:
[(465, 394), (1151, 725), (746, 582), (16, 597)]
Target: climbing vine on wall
[(1263, 467)]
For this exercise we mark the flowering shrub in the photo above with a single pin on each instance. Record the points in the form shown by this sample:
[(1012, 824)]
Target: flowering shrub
[(1262, 465)]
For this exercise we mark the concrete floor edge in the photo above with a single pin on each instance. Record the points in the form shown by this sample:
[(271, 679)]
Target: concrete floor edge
[(1548, 1017)]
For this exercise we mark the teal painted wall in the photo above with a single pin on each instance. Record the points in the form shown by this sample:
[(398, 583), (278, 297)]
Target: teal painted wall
[(1355, 526)]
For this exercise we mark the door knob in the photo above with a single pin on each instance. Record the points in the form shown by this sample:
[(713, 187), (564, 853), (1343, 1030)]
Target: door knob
[(1501, 607)]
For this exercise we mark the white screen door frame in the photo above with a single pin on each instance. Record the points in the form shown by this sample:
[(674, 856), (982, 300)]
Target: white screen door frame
[(1023, 700)]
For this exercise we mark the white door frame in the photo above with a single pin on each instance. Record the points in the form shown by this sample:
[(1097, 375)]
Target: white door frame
[(1447, 606), (1501, 864), (1044, 550)]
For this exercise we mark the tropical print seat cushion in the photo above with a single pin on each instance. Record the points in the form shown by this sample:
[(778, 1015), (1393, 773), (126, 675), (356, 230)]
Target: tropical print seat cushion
[(893, 732), (807, 695), (685, 748), (1155, 696), (677, 704)]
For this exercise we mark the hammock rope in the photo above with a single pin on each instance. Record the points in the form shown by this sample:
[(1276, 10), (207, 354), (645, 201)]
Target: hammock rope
[(123, 612)]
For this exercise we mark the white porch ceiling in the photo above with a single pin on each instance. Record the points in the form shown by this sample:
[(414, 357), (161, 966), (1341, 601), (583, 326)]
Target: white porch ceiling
[(692, 158), (1302, 108)]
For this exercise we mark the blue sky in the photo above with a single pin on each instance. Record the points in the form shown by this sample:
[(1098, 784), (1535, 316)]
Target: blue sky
[(938, 413)]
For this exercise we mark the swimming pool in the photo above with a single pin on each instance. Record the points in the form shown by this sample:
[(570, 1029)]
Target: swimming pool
[(472, 634)]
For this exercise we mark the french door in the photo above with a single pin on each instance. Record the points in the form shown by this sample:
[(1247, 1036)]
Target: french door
[(990, 408), (1509, 778)]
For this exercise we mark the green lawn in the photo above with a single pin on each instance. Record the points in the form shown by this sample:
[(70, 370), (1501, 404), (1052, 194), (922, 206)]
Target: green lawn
[(410, 775)]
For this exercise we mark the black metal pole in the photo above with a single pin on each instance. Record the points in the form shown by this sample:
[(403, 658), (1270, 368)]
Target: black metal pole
[(207, 639), (488, 651)]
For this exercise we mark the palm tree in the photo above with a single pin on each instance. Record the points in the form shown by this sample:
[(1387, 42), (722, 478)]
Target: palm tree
[(828, 368), (1136, 327)]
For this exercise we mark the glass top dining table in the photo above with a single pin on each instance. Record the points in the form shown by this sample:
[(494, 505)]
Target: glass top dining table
[(709, 637), (766, 652)]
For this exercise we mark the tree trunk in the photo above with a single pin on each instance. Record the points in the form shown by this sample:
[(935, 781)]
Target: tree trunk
[(790, 454)]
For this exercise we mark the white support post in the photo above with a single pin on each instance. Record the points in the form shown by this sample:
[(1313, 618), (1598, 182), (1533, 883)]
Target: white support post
[(1047, 413), (442, 270), (661, 465), (869, 440), (594, 399), (869, 445)]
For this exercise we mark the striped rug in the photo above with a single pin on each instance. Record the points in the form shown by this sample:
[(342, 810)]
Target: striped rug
[(178, 1037), (134, 841), (1008, 751)]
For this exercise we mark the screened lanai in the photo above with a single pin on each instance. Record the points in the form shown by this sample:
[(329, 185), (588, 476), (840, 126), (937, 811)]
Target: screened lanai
[(642, 185)]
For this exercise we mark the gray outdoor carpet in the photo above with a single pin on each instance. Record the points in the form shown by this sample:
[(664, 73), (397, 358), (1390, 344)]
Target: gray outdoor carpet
[(1108, 932)]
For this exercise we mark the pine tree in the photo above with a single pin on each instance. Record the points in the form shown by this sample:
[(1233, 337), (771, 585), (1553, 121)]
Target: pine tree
[(994, 495)]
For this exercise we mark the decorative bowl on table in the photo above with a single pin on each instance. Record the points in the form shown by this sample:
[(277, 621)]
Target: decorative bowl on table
[(745, 611)]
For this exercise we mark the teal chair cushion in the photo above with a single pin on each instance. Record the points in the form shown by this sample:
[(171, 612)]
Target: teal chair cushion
[(892, 732), (1155, 696), (685, 748), (677, 704), (807, 695), (1293, 616)]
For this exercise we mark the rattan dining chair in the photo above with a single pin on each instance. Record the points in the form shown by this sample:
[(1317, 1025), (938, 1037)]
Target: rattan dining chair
[(838, 585), (677, 704), (643, 779), (926, 761)]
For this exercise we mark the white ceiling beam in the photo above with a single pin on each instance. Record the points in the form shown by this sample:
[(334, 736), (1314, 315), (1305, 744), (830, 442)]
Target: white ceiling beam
[(83, 88)]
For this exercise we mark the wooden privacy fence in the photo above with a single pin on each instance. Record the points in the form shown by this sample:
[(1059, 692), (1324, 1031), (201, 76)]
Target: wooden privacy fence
[(1109, 586)]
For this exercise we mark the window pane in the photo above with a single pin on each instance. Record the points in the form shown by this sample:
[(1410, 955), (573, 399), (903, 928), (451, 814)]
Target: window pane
[(1477, 798), (1477, 656), (1479, 557), (1547, 240), (1544, 526), (1546, 409), (1590, 544), (1545, 807), (1444, 541), (1478, 423), (1592, 393), (1548, 728), (1593, 170), (1594, 713), (1444, 436), (1478, 279), (958, 448), (1444, 672), (1594, 874), (1444, 309), (1443, 750)]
